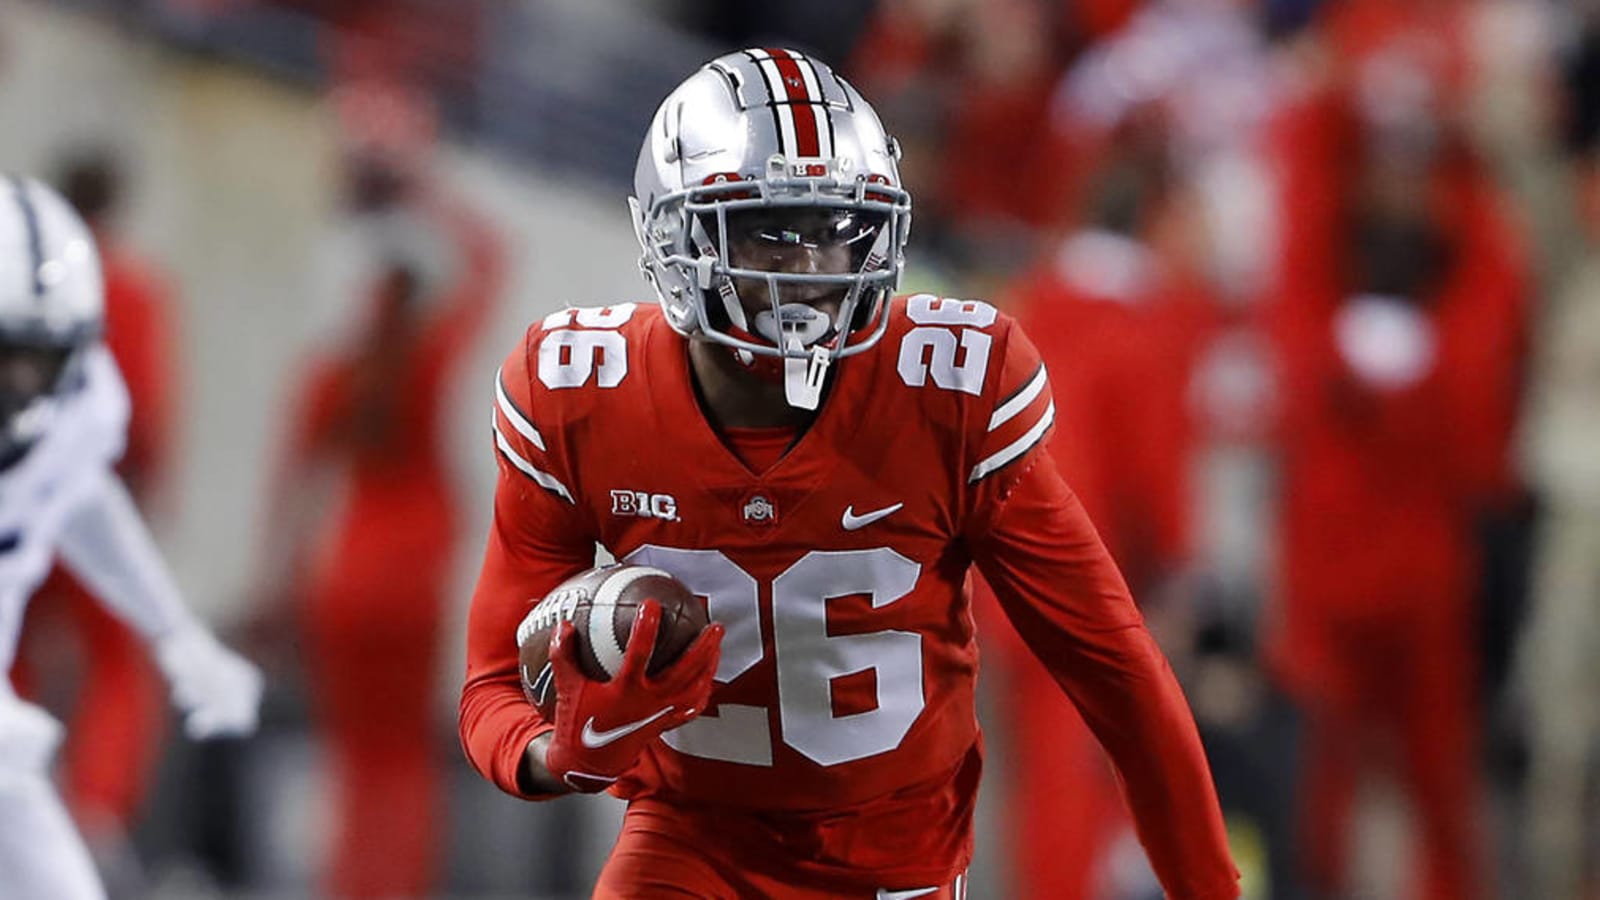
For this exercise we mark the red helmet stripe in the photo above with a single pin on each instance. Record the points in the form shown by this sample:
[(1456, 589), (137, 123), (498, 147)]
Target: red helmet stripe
[(802, 104)]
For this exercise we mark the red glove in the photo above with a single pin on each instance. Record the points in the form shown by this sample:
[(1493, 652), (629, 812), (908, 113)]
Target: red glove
[(603, 726)]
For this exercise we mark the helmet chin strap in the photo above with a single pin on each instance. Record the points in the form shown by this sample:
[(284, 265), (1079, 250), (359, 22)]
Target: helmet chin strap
[(794, 327), (803, 377)]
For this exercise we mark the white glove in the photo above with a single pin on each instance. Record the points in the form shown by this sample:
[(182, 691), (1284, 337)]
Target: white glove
[(29, 736), (218, 690), (1386, 342)]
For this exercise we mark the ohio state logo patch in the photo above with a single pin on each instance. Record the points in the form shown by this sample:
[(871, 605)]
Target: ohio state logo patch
[(759, 510)]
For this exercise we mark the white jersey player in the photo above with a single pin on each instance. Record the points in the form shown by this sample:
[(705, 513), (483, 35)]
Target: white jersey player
[(63, 419)]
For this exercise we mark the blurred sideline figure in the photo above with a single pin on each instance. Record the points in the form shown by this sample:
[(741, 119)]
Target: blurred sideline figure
[(962, 81), (1144, 311), (1399, 325), (116, 705), (1104, 310), (1560, 651), (366, 571), (63, 421)]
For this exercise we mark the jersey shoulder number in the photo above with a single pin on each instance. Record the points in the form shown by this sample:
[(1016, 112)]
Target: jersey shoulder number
[(548, 381), (978, 354), (578, 347), (948, 343)]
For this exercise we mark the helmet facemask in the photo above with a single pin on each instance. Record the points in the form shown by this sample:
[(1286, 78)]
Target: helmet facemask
[(793, 269), (35, 377)]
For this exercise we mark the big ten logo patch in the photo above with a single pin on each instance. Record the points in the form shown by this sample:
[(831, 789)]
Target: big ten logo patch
[(644, 505)]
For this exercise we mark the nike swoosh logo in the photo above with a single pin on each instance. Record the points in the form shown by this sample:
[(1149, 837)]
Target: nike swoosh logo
[(852, 521), (594, 740), (905, 895)]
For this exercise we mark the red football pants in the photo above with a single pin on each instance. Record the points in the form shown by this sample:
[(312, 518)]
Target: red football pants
[(1400, 687), (658, 855), (372, 655)]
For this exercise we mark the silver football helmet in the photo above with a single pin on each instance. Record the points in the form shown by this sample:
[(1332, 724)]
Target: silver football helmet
[(771, 148), (52, 306)]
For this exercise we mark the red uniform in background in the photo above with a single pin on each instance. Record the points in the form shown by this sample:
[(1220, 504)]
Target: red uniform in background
[(373, 585), (988, 162), (841, 753), (1117, 336), (116, 726), (1382, 479)]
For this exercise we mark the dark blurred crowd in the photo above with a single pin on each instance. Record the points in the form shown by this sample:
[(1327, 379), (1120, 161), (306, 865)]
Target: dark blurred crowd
[(1318, 287)]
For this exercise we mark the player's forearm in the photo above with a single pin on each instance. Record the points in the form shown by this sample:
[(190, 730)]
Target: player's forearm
[(106, 544), (534, 776), (1132, 702), (1059, 586), (498, 730), (497, 722)]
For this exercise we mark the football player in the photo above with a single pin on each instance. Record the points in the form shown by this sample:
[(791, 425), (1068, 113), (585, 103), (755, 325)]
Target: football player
[(63, 421), (824, 463), (117, 696), (366, 430)]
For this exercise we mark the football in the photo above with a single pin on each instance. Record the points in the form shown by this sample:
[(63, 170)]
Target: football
[(601, 604)]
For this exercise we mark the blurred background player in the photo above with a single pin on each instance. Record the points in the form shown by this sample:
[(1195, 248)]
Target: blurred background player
[(63, 410), (1144, 305), (73, 649), (366, 511), (1398, 323), (962, 80), (1104, 307)]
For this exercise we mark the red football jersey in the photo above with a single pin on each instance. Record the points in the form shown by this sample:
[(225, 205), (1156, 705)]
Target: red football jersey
[(843, 719)]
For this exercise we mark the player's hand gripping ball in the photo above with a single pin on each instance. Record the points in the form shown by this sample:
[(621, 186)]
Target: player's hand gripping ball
[(603, 604), (614, 658)]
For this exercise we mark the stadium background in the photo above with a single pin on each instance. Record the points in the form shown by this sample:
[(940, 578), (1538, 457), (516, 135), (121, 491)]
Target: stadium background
[(226, 117)]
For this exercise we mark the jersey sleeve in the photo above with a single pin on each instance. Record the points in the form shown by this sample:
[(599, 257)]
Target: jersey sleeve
[(538, 539), (106, 544), (1057, 583), (1011, 429)]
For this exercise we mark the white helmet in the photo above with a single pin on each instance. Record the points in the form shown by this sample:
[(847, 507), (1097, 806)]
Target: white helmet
[(770, 131), (52, 303)]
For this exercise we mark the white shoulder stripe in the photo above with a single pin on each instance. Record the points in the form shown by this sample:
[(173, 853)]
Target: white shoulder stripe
[(544, 479), (514, 415), (1019, 401), (1010, 452)]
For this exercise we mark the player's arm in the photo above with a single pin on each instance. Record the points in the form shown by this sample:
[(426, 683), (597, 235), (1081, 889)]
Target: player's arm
[(540, 538), (1053, 576), (107, 546), (536, 541), (481, 271), (503, 735)]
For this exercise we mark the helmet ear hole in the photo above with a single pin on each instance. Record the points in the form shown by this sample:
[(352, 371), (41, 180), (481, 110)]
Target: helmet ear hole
[(716, 311), (867, 309)]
